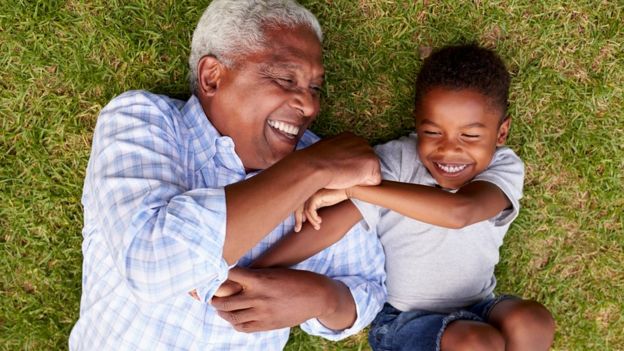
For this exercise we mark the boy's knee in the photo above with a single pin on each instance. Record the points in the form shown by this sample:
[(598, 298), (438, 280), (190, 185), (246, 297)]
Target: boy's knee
[(473, 336), (528, 321)]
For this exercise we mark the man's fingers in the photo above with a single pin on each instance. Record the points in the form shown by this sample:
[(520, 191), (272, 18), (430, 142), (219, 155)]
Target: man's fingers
[(231, 303), (228, 288), (238, 317), (242, 276)]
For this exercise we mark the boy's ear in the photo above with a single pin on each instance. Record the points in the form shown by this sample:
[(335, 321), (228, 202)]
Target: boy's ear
[(209, 71), (503, 131)]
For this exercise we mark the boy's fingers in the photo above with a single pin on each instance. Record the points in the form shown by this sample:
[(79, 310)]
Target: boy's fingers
[(314, 219), (300, 218), (194, 294), (311, 211)]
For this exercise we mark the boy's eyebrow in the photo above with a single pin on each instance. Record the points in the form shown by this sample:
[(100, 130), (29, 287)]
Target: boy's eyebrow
[(426, 121), (471, 125), (475, 124)]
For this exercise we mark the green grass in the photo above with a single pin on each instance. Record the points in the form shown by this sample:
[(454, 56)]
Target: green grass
[(62, 61)]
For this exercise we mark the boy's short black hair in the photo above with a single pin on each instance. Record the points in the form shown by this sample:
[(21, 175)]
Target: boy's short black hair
[(466, 67)]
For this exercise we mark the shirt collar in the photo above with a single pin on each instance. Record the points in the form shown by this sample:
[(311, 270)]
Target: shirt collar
[(206, 141)]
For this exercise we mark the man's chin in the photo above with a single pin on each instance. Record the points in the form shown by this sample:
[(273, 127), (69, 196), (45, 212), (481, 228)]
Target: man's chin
[(269, 160)]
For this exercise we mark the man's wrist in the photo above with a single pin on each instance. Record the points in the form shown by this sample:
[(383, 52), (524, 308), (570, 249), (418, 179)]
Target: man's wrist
[(339, 306), (313, 167)]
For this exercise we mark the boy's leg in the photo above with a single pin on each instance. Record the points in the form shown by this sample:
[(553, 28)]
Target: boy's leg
[(471, 335), (426, 331), (525, 325)]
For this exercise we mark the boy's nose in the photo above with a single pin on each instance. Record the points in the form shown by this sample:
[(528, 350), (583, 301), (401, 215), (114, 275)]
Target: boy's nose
[(448, 145)]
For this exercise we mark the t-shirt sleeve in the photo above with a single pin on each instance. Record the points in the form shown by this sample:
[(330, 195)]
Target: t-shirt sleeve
[(506, 171), (389, 155)]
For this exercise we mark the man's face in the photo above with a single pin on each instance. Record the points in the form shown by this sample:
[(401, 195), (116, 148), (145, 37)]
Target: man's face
[(458, 132), (267, 101)]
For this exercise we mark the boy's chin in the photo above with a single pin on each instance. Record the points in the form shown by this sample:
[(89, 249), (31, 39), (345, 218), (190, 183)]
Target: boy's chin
[(450, 185)]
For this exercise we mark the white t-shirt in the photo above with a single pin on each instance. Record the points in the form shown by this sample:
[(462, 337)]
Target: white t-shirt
[(434, 268)]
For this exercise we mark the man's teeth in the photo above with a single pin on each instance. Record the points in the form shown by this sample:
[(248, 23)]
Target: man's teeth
[(284, 127), (451, 168)]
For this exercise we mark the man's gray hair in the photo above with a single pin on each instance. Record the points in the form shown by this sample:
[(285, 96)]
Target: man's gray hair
[(230, 29)]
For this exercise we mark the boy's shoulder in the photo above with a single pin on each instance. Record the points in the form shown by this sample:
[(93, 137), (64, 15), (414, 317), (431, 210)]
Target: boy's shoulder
[(404, 145), (505, 156), (400, 161)]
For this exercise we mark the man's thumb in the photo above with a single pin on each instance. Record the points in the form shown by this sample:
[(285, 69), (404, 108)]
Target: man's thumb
[(240, 275)]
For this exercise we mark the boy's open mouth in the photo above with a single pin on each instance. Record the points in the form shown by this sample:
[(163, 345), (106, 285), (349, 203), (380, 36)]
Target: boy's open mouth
[(451, 168)]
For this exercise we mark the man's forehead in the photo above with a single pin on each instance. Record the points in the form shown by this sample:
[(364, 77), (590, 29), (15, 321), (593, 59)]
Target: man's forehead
[(288, 58)]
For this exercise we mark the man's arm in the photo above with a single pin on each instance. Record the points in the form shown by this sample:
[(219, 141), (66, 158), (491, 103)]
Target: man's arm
[(167, 238), (340, 295), (297, 247), (276, 298), (255, 206)]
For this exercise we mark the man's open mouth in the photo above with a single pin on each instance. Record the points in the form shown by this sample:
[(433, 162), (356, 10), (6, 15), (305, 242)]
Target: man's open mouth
[(289, 130)]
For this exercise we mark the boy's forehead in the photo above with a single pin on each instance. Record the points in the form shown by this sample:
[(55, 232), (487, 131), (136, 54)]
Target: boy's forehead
[(465, 108)]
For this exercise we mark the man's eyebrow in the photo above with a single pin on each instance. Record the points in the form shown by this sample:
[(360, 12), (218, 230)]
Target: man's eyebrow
[(286, 66)]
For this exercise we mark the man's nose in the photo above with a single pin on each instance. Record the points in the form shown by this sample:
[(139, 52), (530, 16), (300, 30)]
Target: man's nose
[(306, 102)]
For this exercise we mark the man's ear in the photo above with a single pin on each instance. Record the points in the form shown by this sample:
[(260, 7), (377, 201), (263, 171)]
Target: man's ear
[(209, 73), (503, 131)]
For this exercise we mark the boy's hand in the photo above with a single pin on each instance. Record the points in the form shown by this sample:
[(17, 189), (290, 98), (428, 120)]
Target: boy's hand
[(322, 198)]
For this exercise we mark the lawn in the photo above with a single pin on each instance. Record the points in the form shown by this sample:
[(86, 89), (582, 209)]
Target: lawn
[(62, 61)]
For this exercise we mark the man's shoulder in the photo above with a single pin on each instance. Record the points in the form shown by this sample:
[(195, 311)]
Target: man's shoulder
[(139, 107), (142, 99)]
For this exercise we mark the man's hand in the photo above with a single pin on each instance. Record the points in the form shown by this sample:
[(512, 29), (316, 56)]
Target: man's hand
[(322, 198), (279, 298), (226, 289), (348, 159)]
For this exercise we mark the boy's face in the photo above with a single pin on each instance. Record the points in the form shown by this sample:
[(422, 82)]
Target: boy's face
[(458, 132)]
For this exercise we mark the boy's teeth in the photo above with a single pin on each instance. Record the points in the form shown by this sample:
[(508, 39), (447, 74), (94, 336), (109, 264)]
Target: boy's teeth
[(284, 127), (450, 168)]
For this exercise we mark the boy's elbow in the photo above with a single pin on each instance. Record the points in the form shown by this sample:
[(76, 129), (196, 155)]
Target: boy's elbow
[(460, 216)]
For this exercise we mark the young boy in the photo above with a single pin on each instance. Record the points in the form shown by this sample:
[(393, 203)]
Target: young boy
[(449, 193)]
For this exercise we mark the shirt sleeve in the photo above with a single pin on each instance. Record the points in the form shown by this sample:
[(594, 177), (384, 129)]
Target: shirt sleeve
[(506, 171), (163, 237), (390, 155), (358, 261)]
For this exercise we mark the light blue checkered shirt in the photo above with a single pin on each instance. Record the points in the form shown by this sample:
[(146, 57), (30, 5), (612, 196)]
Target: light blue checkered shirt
[(154, 226)]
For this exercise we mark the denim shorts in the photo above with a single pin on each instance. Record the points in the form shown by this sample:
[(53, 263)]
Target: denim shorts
[(421, 330)]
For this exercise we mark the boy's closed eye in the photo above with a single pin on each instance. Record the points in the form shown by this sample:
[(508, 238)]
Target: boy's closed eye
[(432, 133), (471, 136)]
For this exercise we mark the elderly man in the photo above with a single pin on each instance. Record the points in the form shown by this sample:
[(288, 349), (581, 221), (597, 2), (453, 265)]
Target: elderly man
[(178, 193)]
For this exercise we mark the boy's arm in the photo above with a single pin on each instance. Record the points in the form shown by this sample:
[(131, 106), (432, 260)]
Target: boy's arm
[(474, 202), (296, 247)]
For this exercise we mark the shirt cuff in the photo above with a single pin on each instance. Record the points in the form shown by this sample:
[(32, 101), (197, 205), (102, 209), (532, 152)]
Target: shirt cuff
[(369, 298)]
